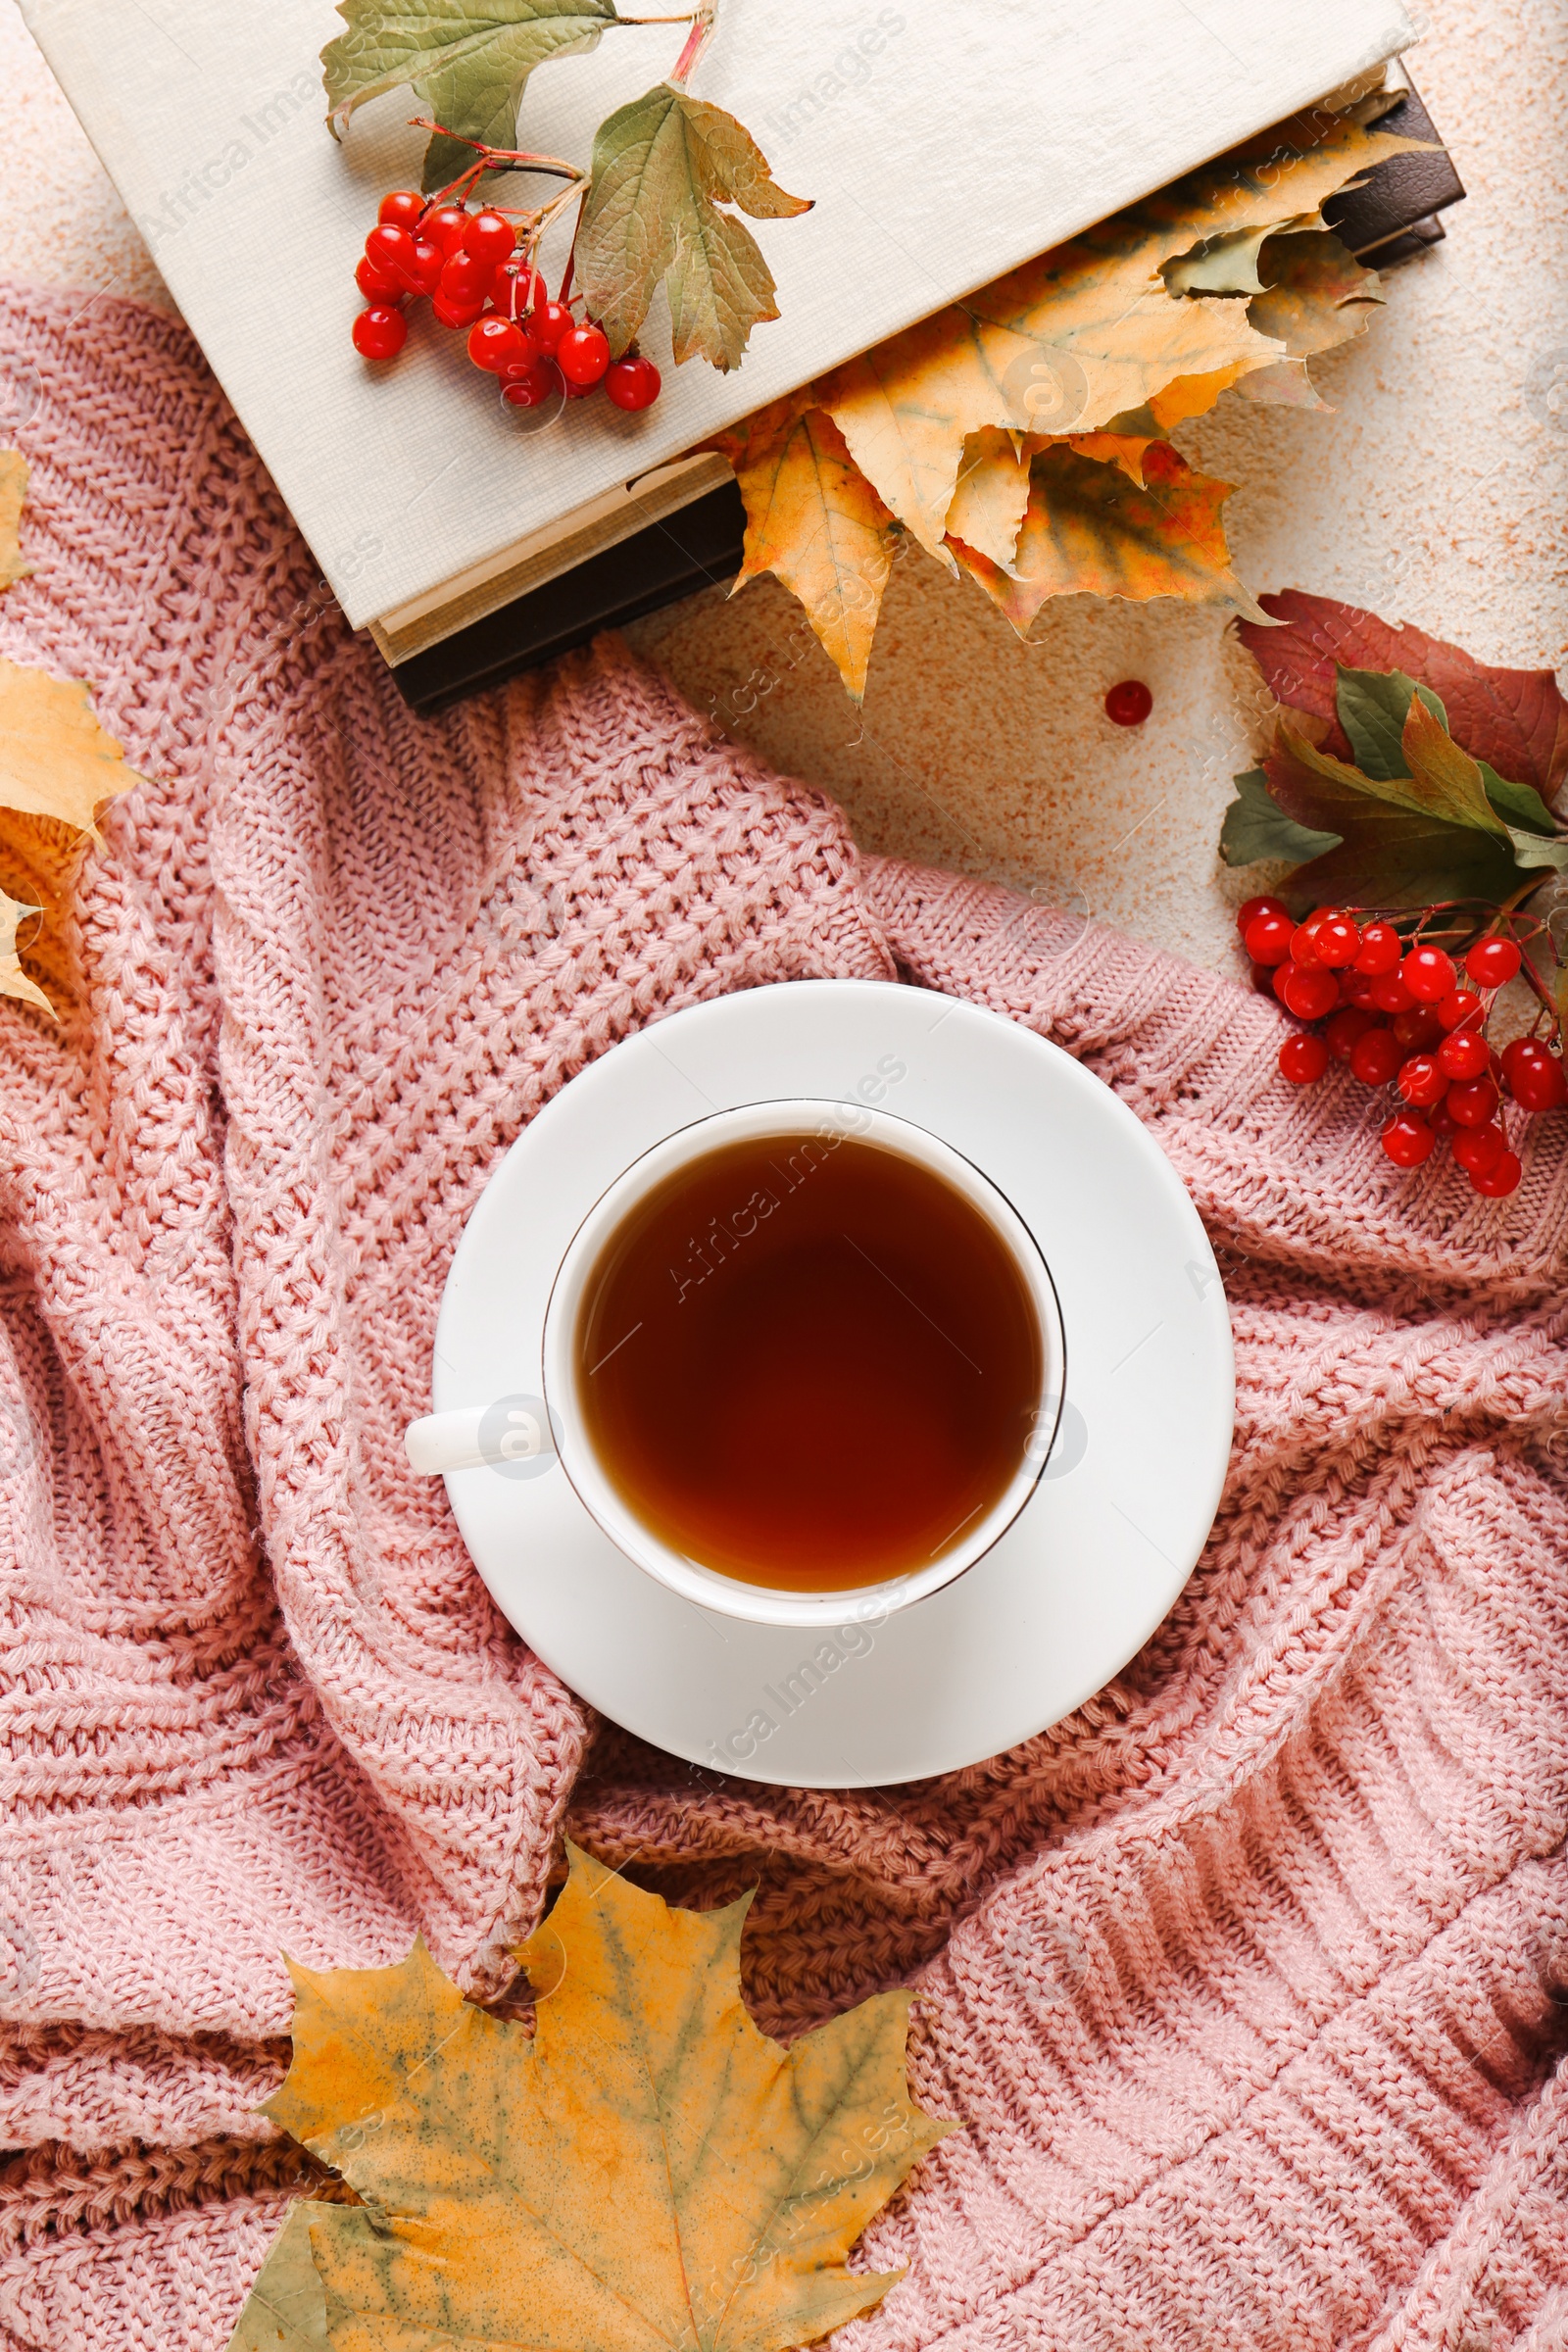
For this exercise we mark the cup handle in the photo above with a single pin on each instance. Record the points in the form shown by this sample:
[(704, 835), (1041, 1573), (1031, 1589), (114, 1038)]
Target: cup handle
[(514, 1430)]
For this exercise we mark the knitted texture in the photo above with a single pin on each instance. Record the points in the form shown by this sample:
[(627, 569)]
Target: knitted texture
[(1249, 1981)]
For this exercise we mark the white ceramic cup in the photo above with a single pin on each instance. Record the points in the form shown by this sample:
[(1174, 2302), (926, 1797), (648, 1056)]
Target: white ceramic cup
[(443, 1443)]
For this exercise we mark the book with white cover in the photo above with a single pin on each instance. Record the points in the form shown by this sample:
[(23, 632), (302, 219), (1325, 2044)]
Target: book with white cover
[(943, 141)]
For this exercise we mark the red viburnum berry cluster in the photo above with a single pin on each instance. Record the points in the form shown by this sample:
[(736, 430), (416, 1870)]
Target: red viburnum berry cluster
[(1406, 1015), (479, 283)]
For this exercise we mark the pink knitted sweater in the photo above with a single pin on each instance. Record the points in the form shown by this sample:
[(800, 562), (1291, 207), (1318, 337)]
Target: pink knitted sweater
[(1249, 1980)]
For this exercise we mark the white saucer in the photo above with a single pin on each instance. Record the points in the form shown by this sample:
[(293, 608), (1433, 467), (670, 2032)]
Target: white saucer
[(1095, 1559)]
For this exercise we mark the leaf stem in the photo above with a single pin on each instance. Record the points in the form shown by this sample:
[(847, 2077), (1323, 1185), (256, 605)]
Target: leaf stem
[(696, 40), (516, 158)]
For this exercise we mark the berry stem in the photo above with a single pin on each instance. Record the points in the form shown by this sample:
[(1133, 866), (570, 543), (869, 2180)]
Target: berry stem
[(696, 40), (518, 158)]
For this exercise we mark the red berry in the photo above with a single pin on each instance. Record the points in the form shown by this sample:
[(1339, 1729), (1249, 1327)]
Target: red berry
[(532, 387), (1428, 975), (1492, 963), (1461, 1008), (389, 250), (1407, 1140), (403, 209), (512, 289), (548, 322), (1376, 1057), (1380, 950), (496, 343), (1463, 1053), (1534, 1076), (1345, 1031), (423, 273), (1390, 994), (1500, 1179), (1421, 1082), (444, 226), (456, 315), (1309, 992), (1478, 1149), (464, 279), (374, 284), (1358, 990), (1251, 909), (489, 238), (633, 384), (1262, 978), (1129, 703), (380, 332), (1417, 1028), (1337, 939), (1474, 1101), (583, 355), (1303, 1059), (1303, 942), (1443, 1124), (1267, 938)]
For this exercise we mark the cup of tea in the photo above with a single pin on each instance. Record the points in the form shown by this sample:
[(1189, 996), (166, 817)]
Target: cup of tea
[(802, 1359)]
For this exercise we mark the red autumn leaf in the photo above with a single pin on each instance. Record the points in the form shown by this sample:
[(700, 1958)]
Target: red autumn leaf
[(1515, 720)]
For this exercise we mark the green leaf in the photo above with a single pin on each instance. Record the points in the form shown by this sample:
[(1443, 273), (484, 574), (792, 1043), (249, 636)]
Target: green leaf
[(468, 60), (1373, 705), (662, 166), (1521, 801), (1394, 849), (1529, 849), (1256, 828)]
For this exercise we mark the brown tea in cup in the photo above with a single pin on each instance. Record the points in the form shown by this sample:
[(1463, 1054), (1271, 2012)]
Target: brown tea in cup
[(809, 1362)]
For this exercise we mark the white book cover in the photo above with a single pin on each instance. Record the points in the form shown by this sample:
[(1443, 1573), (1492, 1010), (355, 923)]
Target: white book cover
[(943, 141)]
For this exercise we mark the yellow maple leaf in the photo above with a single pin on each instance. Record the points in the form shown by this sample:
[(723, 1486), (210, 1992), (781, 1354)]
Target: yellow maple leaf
[(993, 490), (13, 490), (648, 2173), (1089, 527), (13, 981), (54, 759), (1086, 334), (1318, 296), (812, 518)]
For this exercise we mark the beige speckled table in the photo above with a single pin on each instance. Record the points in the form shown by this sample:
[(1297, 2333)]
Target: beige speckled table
[(1437, 492)]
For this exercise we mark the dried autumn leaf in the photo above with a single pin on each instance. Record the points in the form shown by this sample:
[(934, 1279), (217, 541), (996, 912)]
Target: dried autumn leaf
[(13, 490), (468, 60), (661, 168), (992, 495), (647, 2172), (54, 759), (812, 518), (1090, 529), (286, 2309), (1515, 720), (1086, 334), (13, 981)]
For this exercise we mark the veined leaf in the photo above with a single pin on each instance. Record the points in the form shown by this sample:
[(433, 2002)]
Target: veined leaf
[(54, 759), (470, 61), (1256, 827), (648, 2173), (1228, 264), (1085, 335), (993, 491), (661, 168), (1393, 850), (13, 981), (1443, 780), (1316, 293), (1089, 528), (13, 490), (813, 518), (1520, 802), (1372, 708), (1529, 849), (1514, 719), (287, 2310)]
